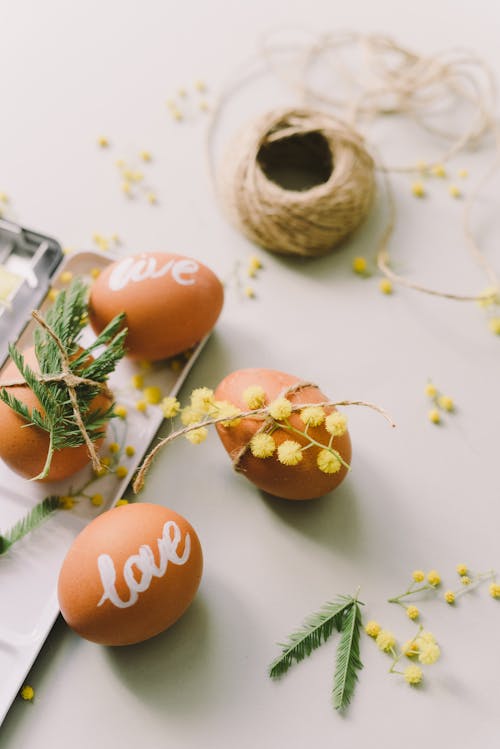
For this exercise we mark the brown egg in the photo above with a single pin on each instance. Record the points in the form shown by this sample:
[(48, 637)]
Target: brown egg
[(24, 448), (301, 481), (171, 302), (130, 574)]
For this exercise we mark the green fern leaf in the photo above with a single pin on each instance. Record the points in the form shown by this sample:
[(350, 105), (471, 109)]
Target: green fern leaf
[(316, 629), (29, 522), (348, 659)]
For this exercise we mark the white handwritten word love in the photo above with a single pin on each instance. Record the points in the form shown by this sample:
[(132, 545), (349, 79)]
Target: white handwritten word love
[(134, 270), (144, 562)]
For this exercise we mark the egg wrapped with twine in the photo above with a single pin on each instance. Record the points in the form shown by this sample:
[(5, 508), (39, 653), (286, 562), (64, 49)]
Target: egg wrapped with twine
[(297, 181)]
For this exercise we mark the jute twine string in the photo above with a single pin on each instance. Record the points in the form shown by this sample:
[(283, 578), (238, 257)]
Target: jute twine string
[(309, 222), (71, 381), (387, 79), (138, 483)]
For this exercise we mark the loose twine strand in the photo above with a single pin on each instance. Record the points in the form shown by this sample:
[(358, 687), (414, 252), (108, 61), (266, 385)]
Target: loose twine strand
[(71, 381), (389, 80)]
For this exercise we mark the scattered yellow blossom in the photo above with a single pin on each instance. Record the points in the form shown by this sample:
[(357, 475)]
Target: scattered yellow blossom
[(200, 86), (145, 155), (463, 173), (312, 416), (126, 188), (120, 411), (106, 461), (289, 453), (430, 390), (412, 612), (95, 273), (359, 265), (418, 576), (121, 503), (52, 295), (197, 436), (372, 628), (422, 166), (418, 189), (254, 396), (120, 163), (151, 197), (434, 578), (254, 263), (494, 325), (462, 569), (137, 381), (336, 424), (410, 648), (385, 640), (170, 407), (465, 580), (449, 596), (204, 106), (224, 408), (262, 445), (429, 653), (145, 365), (426, 637), (152, 394), (129, 451), (328, 462), (202, 399), (281, 408), (66, 277), (439, 170), (434, 416), (249, 292), (66, 503), (121, 472), (97, 500), (189, 416), (176, 114), (114, 447), (4, 198), (102, 141), (100, 472), (182, 92), (454, 191), (141, 406), (446, 403), (27, 693), (413, 675), (385, 286), (494, 590)]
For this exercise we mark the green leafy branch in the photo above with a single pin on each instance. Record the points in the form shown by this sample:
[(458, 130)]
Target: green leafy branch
[(344, 615), (68, 380), (35, 517)]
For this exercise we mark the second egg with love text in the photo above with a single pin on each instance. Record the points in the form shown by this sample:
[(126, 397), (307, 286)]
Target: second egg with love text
[(170, 301), (130, 574)]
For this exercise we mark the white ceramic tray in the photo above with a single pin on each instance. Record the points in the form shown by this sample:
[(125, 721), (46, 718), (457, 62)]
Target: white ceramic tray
[(29, 570)]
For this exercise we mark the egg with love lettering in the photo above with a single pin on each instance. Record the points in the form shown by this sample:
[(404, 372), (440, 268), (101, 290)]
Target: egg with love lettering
[(171, 302), (130, 574), (293, 453)]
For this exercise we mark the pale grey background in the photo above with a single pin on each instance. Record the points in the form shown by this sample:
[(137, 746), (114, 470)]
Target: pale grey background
[(418, 496)]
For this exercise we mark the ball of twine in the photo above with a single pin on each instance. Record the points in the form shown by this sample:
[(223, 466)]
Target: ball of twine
[(308, 222)]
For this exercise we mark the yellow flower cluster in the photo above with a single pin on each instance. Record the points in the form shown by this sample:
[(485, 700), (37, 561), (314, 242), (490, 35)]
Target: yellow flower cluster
[(440, 403), (423, 647), (436, 170)]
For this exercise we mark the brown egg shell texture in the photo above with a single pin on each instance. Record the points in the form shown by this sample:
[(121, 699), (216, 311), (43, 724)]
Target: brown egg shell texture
[(171, 302), (24, 448), (120, 533), (303, 481)]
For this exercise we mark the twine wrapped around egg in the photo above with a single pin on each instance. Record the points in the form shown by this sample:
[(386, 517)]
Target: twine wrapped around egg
[(311, 221)]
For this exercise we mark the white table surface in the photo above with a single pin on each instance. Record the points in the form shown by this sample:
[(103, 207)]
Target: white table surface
[(418, 496)]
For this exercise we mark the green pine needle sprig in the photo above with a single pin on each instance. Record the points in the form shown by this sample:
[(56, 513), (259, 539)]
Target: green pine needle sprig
[(35, 517), (348, 659), (66, 319), (342, 614)]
